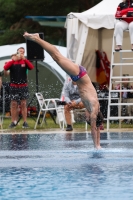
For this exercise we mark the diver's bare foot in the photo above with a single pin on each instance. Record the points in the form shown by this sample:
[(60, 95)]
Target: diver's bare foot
[(29, 36)]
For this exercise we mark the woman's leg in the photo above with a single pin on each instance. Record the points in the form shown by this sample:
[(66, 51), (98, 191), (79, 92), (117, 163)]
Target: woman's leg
[(67, 112), (24, 109), (119, 28), (131, 33), (68, 108), (14, 109)]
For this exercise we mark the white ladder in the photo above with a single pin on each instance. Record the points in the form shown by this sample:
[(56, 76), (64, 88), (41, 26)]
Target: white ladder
[(118, 79)]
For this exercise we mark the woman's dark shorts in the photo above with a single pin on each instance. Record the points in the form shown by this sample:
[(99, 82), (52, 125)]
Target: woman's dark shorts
[(20, 93)]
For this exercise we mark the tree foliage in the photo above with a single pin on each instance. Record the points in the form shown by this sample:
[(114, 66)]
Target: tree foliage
[(12, 11)]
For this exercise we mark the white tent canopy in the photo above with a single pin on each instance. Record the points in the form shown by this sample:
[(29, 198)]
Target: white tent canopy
[(101, 15), (89, 31)]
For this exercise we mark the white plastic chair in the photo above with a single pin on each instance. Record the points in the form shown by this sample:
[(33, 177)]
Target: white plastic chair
[(44, 105)]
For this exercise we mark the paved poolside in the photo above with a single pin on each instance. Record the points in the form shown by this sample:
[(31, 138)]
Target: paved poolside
[(51, 131)]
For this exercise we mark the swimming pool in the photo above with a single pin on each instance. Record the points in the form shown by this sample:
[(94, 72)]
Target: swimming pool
[(66, 166)]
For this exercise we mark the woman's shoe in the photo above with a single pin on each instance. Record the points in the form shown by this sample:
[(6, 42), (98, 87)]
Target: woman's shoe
[(119, 49), (69, 128)]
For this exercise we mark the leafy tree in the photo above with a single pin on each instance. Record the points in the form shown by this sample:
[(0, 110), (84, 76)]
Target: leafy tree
[(13, 11)]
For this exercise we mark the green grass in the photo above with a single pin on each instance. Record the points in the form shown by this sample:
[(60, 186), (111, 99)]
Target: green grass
[(123, 125), (31, 123), (51, 125)]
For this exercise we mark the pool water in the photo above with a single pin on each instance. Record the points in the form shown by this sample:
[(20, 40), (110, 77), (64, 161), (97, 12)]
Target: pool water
[(66, 167)]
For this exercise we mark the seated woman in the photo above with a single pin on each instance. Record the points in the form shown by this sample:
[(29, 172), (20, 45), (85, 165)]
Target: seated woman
[(73, 101), (124, 22)]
